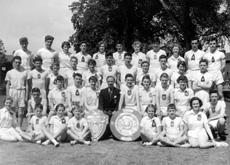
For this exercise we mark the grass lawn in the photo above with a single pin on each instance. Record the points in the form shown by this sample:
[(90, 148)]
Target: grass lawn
[(111, 152)]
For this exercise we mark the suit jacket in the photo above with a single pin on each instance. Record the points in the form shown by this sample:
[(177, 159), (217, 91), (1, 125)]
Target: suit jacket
[(109, 103)]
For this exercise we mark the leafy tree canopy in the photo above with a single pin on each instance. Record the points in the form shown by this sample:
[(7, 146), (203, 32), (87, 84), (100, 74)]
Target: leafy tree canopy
[(130, 20)]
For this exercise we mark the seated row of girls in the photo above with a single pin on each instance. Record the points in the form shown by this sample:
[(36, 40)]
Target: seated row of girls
[(41, 131), (193, 128)]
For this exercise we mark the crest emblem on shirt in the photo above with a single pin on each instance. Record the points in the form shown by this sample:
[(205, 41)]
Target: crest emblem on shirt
[(82, 59), (78, 125), (186, 93), (37, 121), (129, 92), (55, 81), (38, 76), (110, 68), (199, 117), (63, 94), (213, 59), (63, 121), (202, 79), (172, 123), (77, 93), (153, 123), (213, 109), (96, 57), (193, 57), (163, 96), (155, 56)]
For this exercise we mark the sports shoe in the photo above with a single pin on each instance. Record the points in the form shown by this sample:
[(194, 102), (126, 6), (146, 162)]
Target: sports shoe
[(38, 142), (45, 143), (221, 144), (73, 142), (185, 145), (87, 143), (57, 144)]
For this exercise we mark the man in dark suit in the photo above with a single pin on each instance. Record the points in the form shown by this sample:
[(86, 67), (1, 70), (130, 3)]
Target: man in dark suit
[(109, 97)]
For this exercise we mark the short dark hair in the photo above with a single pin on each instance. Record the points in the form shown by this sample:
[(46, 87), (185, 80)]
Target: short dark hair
[(196, 98), (182, 78), (49, 37), (38, 105), (8, 98), (151, 106), (37, 58), (36, 90), (23, 40), (110, 77), (203, 60), (162, 57), (73, 57), (59, 105), (144, 62), (93, 78), (55, 64), (77, 74), (194, 38), (156, 40), (127, 54), (213, 91), (183, 64), (213, 39), (65, 43), (146, 77), (92, 61), (128, 75), (171, 106), (100, 43), (164, 75), (60, 78), (109, 54), (16, 58)]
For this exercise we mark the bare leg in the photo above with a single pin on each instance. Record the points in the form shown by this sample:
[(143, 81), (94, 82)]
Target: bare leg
[(20, 116), (168, 142), (8, 138)]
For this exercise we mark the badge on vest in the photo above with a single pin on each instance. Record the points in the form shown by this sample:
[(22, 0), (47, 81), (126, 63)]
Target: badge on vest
[(213, 109), (110, 68), (63, 121), (78, 125), (213, 59), (199, 117), (82, 59), (172, 123), (202, 79), (163, 96), (153, 123), (129, 92), (55, 81), (38, 76), (96, 57), (193, 57), (37, 121), (186, 93), (63, 94), (77, 93), (155, 56)]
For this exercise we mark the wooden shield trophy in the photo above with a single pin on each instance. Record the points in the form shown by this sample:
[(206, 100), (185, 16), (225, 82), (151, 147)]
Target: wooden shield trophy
[(97, 121), (125, 124)]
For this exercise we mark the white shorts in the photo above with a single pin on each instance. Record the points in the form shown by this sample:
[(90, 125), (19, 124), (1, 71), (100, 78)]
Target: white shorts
[(203, 95), (196, 134), (171, 136), (62, 71), (8, 132), (18, 97), (131, 107), (213, 123), (217, 77)]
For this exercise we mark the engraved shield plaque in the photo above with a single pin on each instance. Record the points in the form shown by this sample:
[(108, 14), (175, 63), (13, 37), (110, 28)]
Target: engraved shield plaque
[(125, 124), (97, 121)]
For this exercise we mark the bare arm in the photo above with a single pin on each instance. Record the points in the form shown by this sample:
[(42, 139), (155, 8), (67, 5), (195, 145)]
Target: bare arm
[(121, 101), (7, 88)]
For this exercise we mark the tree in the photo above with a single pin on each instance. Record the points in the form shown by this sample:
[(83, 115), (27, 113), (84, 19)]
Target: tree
[(129, 20)]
